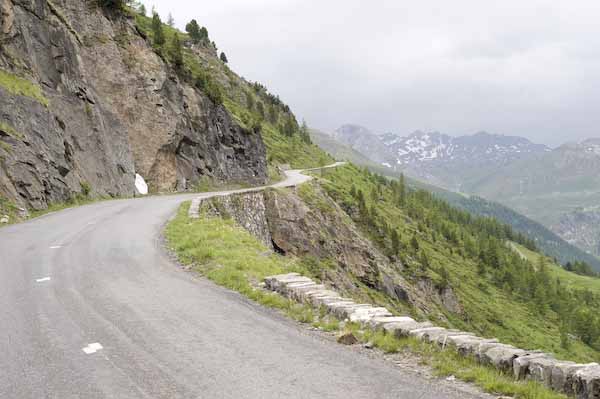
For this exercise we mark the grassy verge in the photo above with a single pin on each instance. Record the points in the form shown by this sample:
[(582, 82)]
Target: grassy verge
[(448, 362), (231, 257)]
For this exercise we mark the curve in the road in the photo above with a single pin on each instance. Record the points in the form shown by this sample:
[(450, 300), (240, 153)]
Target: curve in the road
[(92, 307)]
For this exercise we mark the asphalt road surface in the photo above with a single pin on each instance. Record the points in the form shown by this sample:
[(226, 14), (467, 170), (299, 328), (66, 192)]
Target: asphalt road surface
[(91, 306)]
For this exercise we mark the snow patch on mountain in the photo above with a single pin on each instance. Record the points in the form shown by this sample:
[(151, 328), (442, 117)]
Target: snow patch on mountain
[(420, 147)]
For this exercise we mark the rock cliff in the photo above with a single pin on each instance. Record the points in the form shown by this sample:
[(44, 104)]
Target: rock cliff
[(85, 104), (308, 224)]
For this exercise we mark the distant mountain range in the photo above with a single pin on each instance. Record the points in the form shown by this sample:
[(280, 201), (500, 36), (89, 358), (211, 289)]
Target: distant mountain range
[(559, 188)]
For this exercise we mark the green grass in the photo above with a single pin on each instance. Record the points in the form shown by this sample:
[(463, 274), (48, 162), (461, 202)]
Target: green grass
[(9, 209), (281, 149), (21, 87), (231, 257), (489, 311), (572, 280), (448, 362)]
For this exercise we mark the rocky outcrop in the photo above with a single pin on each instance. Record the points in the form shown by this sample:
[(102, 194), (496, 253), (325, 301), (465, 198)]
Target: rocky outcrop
[(108, 107), (581, 228), (320, 232)]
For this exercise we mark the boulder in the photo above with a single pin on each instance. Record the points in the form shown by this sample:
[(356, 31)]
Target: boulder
[(364, 315), (344, 311), (442, 338), (501, 356), (521, 364), (273, 281), (585, 382), (276, 283), (562, 373), (423, 333), (289, 289), (482, 347), (379, 321), (299, 290), (347, 339), (318, 301), (4, 219), (540, 369), (468, 345), (194, 211), (403, 328)]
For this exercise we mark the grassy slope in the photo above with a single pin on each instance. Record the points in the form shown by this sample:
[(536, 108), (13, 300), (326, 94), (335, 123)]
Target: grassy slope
[(572, 280), (548, 242), (231, 257), (489, 310)]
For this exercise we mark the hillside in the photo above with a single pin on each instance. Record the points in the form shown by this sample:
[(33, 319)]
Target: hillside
[(379, 242), (547, 241), (558, 188), (439, 243), (549, 185), (92, 96), (582, 228)]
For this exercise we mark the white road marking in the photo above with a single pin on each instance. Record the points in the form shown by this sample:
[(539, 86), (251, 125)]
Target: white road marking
[(92, 348), (55, 246), (41, 280)]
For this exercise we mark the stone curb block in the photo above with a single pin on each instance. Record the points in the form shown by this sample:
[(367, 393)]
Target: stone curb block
[(579, 380)]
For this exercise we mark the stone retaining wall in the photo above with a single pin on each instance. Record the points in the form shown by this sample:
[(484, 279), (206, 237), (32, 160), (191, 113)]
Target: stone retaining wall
[(578, 380)]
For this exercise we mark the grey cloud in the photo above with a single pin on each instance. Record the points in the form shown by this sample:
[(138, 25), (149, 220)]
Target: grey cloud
[(513, 67)]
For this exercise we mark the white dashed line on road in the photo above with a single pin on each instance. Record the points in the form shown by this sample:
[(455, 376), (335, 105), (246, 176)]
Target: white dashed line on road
[(41, 280), (55, 246), (92, 348)]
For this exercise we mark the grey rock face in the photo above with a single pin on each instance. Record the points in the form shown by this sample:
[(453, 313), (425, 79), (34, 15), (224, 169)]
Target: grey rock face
[(114, 108), (248, 210)]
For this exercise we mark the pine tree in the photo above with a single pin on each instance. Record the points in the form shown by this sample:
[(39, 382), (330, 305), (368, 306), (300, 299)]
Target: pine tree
[(261, 109), (414, 243), (157, 31), (288, 127), (112, 4), (223, 58), (395, 242), (193, 29), (273, 114), (304, 133), (204, 36), (250, 101), (142, 10), (170, 20), (176, 52), (424, 260), (402, 191)]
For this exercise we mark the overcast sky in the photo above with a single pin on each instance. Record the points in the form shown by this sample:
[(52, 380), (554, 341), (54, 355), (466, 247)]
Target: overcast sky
[(515, 67)]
